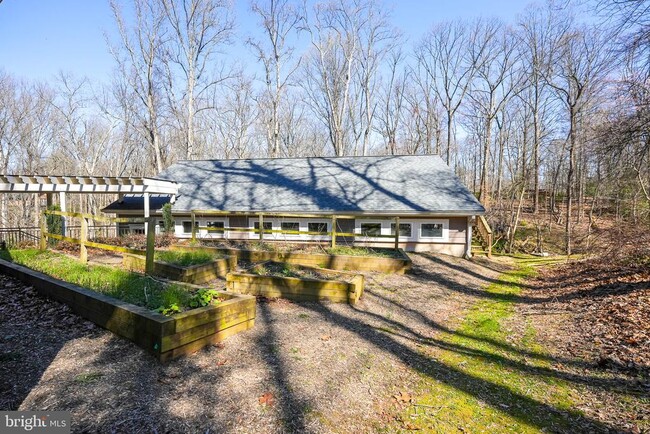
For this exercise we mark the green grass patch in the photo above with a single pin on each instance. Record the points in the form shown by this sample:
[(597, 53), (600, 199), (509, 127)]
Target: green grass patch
[(186, 259), (131, 287), (89, 377), (515, 375)]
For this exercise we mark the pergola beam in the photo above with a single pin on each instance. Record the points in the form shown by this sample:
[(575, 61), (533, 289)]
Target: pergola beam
[(85, 184)]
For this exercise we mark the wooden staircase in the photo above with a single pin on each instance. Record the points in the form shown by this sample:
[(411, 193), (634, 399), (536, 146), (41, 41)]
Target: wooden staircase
[(482, 238)]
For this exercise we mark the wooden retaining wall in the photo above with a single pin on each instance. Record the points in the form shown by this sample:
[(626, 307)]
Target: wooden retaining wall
[(163, 337), (298, 289), (195, 274), (332, 262)]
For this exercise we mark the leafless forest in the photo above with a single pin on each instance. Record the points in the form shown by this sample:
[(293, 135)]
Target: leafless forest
[(550, 110)]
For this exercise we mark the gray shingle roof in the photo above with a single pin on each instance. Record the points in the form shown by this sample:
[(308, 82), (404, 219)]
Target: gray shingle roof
[(405, 184), (135, 202)]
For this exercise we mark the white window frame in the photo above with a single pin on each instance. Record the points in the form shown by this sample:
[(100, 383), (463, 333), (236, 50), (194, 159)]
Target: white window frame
[(255, 235), (182, 226), (384, 229), (328, 229), (414, 229), (281, 220), (204, 233), (445, 230)]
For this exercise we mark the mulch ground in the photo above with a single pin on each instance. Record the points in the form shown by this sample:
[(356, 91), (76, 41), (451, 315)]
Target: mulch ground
[(303, 368), (309, 367)]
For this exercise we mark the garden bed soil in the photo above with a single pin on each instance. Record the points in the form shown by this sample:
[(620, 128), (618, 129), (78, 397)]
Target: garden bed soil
[(399, 263), (194, 274)]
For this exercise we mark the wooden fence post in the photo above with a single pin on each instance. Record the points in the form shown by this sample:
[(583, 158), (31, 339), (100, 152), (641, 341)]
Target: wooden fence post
[(151, 244), (83, 236), (193, 226), (333, 231), (43, 241), (396, 233), (261, 222)]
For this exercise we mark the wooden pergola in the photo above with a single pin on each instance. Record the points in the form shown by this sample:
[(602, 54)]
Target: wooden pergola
[(82, 184)]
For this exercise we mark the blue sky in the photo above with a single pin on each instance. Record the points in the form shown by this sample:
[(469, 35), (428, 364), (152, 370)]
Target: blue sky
[(38, 38)]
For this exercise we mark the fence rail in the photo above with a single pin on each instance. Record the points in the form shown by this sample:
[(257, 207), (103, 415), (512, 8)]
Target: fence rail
[(20, 235), (15, 236)]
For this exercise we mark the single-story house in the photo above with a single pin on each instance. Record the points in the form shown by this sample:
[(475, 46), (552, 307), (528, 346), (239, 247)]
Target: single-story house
[(364, 194)]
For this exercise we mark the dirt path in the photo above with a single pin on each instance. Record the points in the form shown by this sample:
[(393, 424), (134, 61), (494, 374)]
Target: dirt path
[(303, 368)]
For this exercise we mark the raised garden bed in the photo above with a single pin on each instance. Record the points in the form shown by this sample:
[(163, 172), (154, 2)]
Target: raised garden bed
[(398, 262), (193, 273), (165, 337), (297, 283)]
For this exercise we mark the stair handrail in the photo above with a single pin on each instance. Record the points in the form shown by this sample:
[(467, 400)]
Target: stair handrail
[(486, 234)]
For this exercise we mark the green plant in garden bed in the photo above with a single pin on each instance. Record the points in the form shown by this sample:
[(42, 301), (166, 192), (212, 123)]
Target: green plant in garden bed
[(124, 285), (187, 259)]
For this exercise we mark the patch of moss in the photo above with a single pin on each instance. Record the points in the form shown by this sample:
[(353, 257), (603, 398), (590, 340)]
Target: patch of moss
[(515, 375)]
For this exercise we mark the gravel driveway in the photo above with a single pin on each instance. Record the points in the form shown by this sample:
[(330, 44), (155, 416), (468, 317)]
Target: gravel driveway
[(304, 367)]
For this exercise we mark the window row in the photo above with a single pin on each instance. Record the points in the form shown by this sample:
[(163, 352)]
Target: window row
[(372, 230), (410, 230)]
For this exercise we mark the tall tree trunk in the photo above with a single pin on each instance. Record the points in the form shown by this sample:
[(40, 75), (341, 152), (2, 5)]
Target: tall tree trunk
[(569, 186)]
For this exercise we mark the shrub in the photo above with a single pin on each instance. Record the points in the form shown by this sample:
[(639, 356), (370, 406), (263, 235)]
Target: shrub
[(168, 220)]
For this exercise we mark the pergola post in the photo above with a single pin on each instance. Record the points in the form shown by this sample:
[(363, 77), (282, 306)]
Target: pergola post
[(64, 208), (43, 241), (146, 211), (396, 233), (151, 244), (83, 251), (333, 231), (261, 220)]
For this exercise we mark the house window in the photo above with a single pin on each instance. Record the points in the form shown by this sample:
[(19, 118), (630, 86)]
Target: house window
[(290, 226), (161, 225), (431, 230), (405, 230), (370, 229), (317, 227), (215, 227), (187, 227), (267, 226)]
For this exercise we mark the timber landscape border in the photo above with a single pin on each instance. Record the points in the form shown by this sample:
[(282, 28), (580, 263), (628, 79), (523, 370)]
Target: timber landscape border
[(332, 262), (162, 336)]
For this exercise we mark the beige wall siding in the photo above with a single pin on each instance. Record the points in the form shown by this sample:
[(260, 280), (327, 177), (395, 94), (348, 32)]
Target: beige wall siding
[(453, 244)]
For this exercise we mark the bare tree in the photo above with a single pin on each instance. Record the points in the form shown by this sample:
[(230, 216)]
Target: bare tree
[(330, 66), (497, 78), (443, 54), (198, 28), (139, 61), (279, 20), (540, 32), (579, 71), (391, 100)]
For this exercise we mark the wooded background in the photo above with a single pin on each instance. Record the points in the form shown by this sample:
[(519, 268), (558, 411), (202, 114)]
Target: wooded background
[(548, 113)]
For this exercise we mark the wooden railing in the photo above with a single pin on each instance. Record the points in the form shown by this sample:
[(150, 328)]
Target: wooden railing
[(485, 234), (17, 236), (84, 243), (333, 233)]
